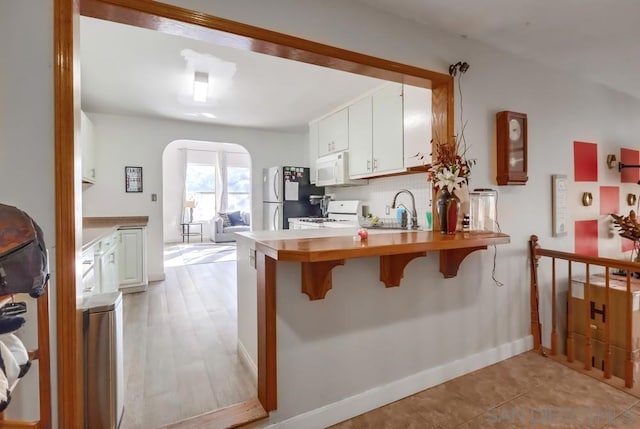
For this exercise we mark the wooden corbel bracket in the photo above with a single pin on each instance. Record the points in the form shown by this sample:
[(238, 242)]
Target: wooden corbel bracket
[(392, 267), (316, 278), (451, 259)]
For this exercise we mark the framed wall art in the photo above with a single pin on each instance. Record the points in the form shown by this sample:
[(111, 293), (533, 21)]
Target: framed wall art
[(559, 209), (133, 179)]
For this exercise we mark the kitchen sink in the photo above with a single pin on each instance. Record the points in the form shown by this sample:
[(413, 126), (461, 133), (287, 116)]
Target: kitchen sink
[(391, 227)]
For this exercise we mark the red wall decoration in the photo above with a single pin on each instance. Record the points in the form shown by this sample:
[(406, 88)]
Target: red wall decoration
[(585, 161), (609, 200), (629, 156), (586, 234), (626, 244)]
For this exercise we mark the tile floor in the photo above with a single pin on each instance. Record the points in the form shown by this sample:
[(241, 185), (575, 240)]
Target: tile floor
[(526, 391)]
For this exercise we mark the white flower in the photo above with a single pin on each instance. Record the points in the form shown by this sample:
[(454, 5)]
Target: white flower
[(449, 180)]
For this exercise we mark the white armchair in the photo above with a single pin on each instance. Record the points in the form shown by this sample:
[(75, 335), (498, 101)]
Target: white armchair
[(220, 233)]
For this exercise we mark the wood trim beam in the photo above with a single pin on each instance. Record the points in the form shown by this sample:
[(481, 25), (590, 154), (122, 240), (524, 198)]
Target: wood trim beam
[(69, 334), (201, 26), (267, 342)]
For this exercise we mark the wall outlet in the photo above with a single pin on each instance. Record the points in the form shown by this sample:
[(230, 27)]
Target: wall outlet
[(387, 210), (154, 197)]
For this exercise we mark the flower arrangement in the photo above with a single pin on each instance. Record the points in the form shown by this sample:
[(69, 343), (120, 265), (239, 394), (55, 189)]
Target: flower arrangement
[(450, 168)]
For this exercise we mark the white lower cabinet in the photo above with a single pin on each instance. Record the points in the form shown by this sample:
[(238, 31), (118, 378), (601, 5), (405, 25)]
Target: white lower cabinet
[(106, 260), (133, 259), (109, 271)]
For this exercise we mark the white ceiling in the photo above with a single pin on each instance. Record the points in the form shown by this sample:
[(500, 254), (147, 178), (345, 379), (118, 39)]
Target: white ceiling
[(134, 71), (595, 39), (128, 70)]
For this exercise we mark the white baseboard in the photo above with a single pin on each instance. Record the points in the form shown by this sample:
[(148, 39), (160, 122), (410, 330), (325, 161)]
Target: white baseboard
[(378, 396), (244, 356), (157, 277)]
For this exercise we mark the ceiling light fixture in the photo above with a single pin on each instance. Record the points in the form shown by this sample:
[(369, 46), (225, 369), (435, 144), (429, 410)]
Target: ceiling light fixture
[(200, 86), (208, 115)]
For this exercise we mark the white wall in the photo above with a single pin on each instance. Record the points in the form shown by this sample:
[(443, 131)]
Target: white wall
[(27, 152), (468, 314), (137, 141), (561, 109), (173, 178)]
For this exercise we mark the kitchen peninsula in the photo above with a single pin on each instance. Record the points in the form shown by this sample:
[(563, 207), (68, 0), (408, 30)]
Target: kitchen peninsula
[(336, 336)]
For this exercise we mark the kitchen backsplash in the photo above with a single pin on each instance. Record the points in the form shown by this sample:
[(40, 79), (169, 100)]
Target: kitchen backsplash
[(378, 194)]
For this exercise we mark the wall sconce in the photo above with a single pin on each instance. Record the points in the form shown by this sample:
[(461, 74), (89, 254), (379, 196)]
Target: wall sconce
[(611, 160), (631, 199), (587, 199)]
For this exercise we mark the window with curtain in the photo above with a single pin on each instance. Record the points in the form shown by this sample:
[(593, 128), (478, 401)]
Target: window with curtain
[(238, 188), (200, 186)]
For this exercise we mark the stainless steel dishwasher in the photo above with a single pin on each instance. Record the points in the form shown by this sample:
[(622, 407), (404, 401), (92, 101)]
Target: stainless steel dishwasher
[(104, 377)]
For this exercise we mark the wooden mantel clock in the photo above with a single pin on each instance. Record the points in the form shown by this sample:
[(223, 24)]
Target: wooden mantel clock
[(511, 133)]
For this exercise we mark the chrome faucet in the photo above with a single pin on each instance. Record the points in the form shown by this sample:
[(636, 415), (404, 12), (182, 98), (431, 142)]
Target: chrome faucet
[(414, 214)]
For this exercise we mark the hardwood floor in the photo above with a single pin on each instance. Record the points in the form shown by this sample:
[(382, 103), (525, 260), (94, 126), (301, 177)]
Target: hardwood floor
[(180, 347)]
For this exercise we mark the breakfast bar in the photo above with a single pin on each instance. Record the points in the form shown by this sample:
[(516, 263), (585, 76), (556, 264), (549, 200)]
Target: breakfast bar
[(317, 255)]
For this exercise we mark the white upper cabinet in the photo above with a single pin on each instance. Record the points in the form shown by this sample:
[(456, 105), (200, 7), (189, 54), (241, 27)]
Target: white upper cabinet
[(313, 150), (360, 138), (333, 133), (417, 126), (87, 143), (386, 131), (388, 149)]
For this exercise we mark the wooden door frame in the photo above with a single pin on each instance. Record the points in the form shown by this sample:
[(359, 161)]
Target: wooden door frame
[(175, 20)]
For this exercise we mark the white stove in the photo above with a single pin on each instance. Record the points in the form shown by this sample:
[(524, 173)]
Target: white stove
[(340, 214)]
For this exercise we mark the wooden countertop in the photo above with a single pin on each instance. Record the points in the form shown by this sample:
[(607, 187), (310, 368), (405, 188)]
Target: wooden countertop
[(319, 255), (319, 249), (96, 228)]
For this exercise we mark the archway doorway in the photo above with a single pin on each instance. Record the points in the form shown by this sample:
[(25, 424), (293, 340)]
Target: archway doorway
[(182, 355)]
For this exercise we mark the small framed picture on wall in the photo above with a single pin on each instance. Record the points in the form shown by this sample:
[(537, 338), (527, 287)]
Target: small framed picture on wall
[(133, 179)]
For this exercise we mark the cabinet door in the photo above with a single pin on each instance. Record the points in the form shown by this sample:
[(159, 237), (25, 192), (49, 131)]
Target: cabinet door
[(388, 152), (109, 271), (417, 126), (87, 145), (132, 253), (333, 133), (360, 138), (313, 151)]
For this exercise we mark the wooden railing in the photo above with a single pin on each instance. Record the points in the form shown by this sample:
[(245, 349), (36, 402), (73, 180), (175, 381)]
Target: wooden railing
[(588, 262)]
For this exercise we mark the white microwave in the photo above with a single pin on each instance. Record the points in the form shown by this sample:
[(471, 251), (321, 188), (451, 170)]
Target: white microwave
[(333, 170)]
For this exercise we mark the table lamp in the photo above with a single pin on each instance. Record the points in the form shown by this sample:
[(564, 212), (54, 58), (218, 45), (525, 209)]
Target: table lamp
[(190, 205)]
